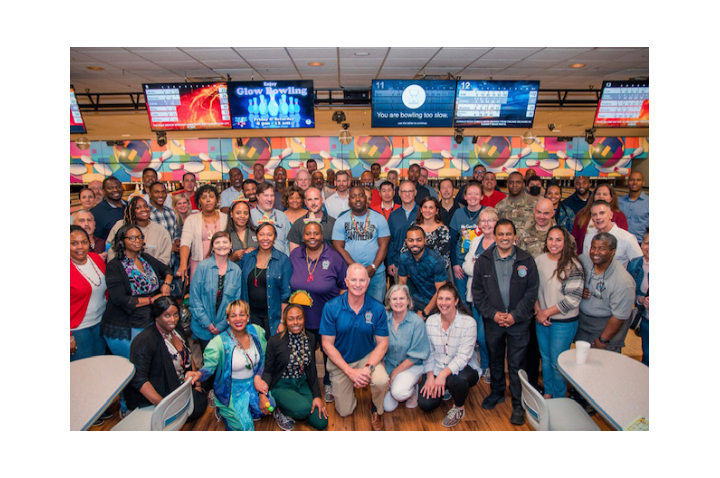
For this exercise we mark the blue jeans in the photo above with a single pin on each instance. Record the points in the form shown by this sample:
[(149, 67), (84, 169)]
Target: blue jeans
[(89, 343), (482, 346), (461, 286), (553, 340), (645, 336), (378, 285)]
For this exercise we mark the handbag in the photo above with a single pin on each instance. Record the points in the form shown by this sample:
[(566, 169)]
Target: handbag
[(178, 288)]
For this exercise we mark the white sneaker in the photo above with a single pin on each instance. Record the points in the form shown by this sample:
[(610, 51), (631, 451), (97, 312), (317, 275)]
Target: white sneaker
[(328, 394), (453, 417), (283, 421)]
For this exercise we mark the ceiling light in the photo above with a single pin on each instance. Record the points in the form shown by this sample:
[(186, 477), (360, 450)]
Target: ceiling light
[(577, 65), (316, 63), (362, 53), (95, 68)]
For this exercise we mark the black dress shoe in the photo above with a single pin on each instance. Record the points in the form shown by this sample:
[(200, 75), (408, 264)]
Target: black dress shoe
[(518, 416), (492, 400)]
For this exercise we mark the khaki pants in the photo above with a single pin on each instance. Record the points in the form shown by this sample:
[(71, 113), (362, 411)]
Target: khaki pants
[(343, 388)]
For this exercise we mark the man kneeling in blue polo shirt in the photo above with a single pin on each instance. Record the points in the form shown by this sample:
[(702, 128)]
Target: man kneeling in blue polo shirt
[(424, 269), (355, 338)]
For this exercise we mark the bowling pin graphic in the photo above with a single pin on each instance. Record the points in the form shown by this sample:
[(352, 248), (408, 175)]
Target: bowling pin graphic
[(337, 163), (622, 163), (274, 161), (396, 159), (263, 108), (458, 163), (273, 107), (283, 106)]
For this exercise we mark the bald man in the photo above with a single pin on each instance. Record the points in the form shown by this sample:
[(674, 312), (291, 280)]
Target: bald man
[(532, 233), (233, 192)]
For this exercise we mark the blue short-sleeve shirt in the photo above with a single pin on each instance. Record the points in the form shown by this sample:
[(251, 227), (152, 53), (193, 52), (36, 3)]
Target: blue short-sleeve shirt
[(354, 333), (423, 274)]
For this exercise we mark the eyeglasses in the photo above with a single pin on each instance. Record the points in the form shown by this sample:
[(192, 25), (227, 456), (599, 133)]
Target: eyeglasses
[(134, 238), (406, 192)]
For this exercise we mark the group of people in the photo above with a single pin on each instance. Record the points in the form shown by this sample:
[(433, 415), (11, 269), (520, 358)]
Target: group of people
[(417, 294)]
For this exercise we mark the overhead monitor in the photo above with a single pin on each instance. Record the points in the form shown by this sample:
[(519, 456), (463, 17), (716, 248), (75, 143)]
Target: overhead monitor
[(413, 103), (272, 104), (624, 104), (77, 124), (496, 103), (187, 106)]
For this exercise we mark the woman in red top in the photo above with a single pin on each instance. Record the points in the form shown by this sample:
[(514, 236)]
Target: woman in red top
[(87, 297)]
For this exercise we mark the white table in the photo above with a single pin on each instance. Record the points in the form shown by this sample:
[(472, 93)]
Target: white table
[(94, 384), (617, 386)]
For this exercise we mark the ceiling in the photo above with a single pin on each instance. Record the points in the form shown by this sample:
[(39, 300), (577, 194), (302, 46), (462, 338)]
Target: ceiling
[(125, 69)]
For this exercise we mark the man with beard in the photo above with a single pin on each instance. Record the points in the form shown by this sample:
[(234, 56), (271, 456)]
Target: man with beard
[(424, 269), (266, 211), (577, 200), (314, 205), (362, 235), (280, 178), (249, 189)]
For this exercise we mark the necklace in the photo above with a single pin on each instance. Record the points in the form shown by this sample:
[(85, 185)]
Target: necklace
[(94, 268), (367, 222), (249, 364), (442, 336), (210, 233), (257, 274), (309, 262)]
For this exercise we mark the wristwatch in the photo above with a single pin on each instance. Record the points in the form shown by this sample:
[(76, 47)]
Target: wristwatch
[(603, 341), (372, 264), (371, 367)]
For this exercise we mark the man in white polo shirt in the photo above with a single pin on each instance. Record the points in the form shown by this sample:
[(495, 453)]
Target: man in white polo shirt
[(627, 245)]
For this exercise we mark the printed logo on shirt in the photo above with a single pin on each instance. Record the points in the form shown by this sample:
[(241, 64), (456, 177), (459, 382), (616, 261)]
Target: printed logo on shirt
[(368, 317), (360, 231), (326, 264), (522, 271)]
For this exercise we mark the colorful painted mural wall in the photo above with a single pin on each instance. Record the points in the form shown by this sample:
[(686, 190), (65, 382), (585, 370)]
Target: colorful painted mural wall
[(211, 159)]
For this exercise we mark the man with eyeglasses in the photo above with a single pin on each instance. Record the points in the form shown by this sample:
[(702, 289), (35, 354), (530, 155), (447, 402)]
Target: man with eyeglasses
[(398, 222), (420, 191)]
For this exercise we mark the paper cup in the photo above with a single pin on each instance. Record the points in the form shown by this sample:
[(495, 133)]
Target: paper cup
[(581, 351)]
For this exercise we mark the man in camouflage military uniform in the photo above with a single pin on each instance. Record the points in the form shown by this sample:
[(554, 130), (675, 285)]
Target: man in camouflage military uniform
[(532, 233), (518, 205)]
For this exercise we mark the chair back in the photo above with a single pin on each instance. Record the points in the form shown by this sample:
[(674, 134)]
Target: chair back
[(536, 410), (173, 411)]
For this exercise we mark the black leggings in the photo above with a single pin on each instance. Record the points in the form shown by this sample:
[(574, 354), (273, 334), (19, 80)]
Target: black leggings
[(458, 386)]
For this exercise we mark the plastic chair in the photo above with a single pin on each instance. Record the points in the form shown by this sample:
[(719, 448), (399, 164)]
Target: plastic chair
[(169, 415), (555, 414)]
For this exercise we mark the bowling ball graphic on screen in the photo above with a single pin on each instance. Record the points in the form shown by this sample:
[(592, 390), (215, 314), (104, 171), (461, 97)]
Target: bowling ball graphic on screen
[(373, 149), (134, 156), (253, 150), (493, 152)]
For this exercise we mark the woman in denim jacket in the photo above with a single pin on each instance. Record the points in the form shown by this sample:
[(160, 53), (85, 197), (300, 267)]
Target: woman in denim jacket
[(266, 280), (215, 283)]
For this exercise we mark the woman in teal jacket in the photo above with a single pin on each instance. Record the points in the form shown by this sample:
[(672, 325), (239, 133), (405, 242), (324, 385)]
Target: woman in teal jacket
[(236, 358), (266, 280), (215, 283)]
